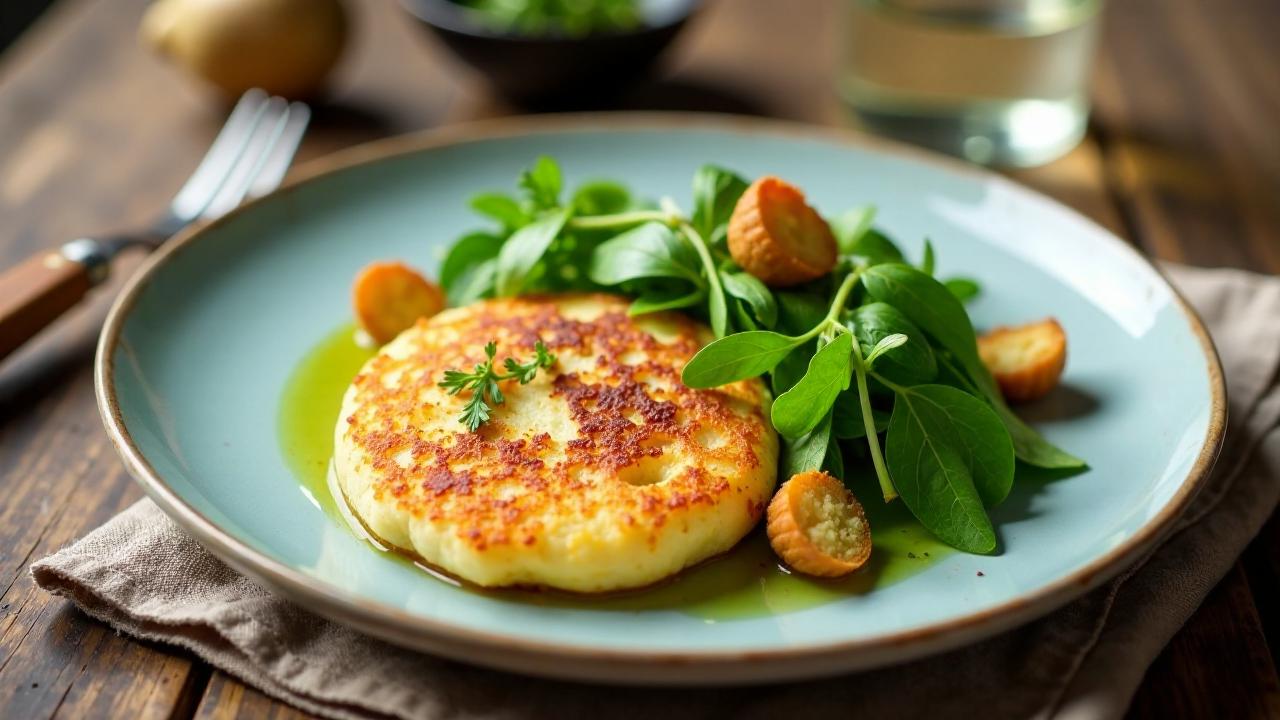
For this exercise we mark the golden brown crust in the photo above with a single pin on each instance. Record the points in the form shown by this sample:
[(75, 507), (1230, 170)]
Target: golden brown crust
[(622, 416), (788, 527), (777, 237), (1027, 360)]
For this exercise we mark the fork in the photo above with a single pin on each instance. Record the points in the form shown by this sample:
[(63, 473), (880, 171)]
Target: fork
[(248, 158)]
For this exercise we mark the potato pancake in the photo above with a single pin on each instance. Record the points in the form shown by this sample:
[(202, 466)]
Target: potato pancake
[(603, 473)]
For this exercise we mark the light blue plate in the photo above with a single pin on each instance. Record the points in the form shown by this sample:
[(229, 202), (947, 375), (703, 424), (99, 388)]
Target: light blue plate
[(198, 348)]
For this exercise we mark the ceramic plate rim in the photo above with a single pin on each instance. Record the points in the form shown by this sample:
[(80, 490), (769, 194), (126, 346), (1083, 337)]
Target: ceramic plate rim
[(617, 665)]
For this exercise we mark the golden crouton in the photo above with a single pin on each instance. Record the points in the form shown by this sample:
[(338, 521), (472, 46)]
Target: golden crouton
[(818, 527), (389, 297), (1026, 360), (776, 236)]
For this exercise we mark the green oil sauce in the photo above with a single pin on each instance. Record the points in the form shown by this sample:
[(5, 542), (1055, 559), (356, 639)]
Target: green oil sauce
[(746, 582)]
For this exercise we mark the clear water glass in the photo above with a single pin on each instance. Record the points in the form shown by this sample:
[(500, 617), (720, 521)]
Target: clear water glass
[(999, 82)]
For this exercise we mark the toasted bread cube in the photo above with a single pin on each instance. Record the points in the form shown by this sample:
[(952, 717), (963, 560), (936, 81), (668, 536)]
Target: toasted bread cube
[(389, 297), (776, 236), (818, 527), (1026, 360)]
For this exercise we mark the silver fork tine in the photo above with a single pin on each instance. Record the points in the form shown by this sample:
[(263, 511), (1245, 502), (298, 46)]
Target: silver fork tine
[(277, 161), (249, 163), (221, 157)]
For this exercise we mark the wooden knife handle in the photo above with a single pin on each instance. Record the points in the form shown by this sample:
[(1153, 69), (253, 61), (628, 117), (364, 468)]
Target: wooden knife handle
[(35, 293)]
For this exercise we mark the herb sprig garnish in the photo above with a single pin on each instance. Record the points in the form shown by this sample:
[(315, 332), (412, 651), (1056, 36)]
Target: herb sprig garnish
[(483, 382), (876, 361)]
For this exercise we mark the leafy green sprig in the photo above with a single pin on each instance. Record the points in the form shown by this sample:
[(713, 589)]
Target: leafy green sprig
[(483, 382), (879, 353)]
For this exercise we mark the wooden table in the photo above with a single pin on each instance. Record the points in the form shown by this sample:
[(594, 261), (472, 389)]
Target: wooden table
[(1183, 159)]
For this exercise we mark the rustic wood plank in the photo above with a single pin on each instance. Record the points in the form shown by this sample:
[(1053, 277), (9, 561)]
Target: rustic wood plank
[(1188, 107), (227, 698), (1207, 671), (1262, 566)]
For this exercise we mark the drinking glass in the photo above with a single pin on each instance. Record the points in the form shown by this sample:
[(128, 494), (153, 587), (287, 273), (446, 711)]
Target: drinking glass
[(999, 82)]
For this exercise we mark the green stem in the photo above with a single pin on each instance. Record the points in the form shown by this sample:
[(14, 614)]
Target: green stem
[(873, 438), (713, 276), (635, 217), (837, 304)]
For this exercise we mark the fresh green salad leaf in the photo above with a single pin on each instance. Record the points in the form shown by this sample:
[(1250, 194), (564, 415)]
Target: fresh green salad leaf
[(932, 478), (715, 193), (970, 427), (754, 294), (651, 250), (795, 411), (964, 289), (930, 305), (808, 452), (542, 183), (602, 197), (736, 357), (851, 226), (524, 249), (912, 363), (503, 208)]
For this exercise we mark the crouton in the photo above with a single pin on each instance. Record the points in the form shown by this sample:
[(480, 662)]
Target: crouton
[(389, 297), (818, 527), (1026, 360), (777, 237)]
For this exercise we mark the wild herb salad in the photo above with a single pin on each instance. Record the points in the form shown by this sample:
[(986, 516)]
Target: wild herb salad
[(863, 347)]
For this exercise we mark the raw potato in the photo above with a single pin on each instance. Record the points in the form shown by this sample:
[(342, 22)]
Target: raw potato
[(389, 297), (1026, 360), (818, 527), (286, 47), (776, 236)]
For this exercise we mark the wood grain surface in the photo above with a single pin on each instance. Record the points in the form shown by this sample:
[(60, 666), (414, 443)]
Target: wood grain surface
[(1183, 158)]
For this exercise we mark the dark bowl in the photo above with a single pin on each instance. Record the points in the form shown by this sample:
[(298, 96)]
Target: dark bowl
[(555, 71)]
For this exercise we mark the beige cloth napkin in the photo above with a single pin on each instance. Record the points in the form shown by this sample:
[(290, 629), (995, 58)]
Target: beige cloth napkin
[(142, 575)]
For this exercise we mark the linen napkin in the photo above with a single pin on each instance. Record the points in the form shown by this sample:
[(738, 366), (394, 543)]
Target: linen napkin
[(144, 576)]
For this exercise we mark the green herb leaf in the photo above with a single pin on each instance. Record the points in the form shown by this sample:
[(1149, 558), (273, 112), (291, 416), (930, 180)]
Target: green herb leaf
[(791, 368), (715, 193), (926, 266), (799, 311), (846, 418), (809, 452), (850, 226), (646, 304), (932, 478), (887, 343), (737, 357), (542, 183), (833, 462), (747, 288), (929, 304), (648, 251), (912, 363), (799, 410), (483, 382), (601, 197), (473, 283), (502, 208), (964, 289), (973, 428), (468, 252), (876, 248), (524, 249)]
